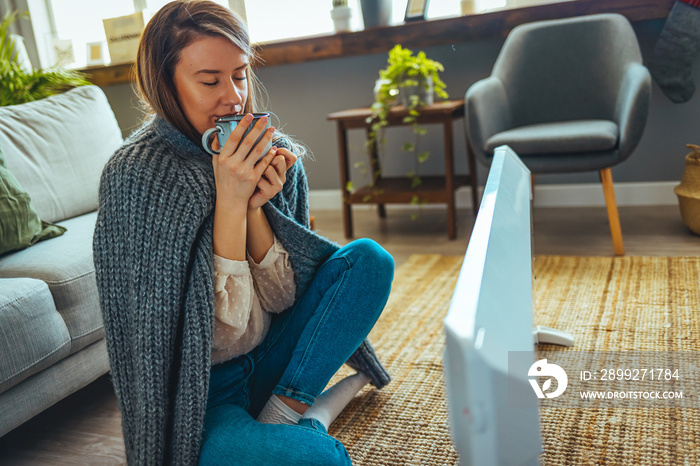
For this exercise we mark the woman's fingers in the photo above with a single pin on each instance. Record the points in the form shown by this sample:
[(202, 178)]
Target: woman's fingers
[(270, 183), (265, 162), (279, 163), (251, 154), (289, 157), (241, 147), (235, 137)]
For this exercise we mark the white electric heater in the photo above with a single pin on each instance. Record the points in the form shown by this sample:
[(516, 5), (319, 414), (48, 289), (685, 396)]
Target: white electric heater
[(490, 315)]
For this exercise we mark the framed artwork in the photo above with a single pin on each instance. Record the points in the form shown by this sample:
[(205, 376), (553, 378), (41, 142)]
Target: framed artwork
[(95, 53), (63, 52), (416, 9), (123, 34)]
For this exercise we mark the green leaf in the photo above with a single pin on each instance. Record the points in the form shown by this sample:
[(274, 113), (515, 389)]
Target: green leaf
[(415, 182), (349, 187), (6, 42), (408, 147), (423, 156), (420, 131), (18, 86)]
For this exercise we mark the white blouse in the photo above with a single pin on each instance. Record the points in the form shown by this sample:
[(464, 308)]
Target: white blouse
[(245, 293)]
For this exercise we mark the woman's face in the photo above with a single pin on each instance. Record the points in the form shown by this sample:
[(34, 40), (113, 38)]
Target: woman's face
[(211, 81)]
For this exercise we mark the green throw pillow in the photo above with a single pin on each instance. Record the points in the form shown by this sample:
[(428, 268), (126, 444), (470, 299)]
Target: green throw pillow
[(20, 226)]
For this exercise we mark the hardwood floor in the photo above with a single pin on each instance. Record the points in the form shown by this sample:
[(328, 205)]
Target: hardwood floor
[(647, 231), (84, 429)]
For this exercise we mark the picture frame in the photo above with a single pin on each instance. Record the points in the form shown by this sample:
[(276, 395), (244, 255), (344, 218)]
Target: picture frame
[(416, 10), (123, 34), (62, 52), (95, 53)]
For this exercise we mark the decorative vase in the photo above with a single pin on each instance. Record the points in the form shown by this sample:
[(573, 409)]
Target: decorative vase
[(341, 18), (424, 95), (468, 7), (688, 191), (376, 12)]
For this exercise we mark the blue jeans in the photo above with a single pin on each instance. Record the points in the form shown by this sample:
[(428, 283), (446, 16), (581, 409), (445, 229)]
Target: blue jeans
[(304, 347)]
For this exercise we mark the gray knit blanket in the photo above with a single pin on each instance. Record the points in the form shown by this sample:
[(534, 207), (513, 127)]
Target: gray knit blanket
[(153, 262)]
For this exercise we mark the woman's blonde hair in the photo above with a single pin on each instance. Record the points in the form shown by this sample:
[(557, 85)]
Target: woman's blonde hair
[(174, 27)]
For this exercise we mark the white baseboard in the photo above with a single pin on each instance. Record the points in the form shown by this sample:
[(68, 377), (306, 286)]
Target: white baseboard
[(546, 195)]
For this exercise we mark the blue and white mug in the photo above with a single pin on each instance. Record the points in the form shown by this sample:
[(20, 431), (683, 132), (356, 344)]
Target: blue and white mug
[(225, 126)]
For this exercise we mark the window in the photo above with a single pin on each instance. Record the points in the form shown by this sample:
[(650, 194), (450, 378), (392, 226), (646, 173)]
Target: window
[(268, 20), (81, 22), (84, 27)]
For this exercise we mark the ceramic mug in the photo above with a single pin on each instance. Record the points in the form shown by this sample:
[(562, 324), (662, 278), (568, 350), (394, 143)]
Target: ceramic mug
[(225, 126)]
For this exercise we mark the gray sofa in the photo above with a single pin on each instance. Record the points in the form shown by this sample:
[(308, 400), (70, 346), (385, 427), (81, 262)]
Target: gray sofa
[(51, 334)]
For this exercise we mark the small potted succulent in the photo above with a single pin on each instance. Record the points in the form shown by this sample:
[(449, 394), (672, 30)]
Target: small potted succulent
[(341, 14), (688, 191)]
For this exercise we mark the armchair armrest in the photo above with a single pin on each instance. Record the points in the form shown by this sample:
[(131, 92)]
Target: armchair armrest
[(632, 107), (487, 112)]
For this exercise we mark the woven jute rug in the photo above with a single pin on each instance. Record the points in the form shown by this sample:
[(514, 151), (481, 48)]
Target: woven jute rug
[(608, 304)]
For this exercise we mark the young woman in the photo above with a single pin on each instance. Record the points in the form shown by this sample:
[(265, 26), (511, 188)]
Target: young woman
[(225, 316)]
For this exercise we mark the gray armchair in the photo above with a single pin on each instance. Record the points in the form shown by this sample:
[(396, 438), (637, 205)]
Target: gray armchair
[(566, 95)]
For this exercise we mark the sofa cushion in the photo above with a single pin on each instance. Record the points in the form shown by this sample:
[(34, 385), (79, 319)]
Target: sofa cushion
[(20, 225), (33, 336), (65, 264), (563, 137), (57, 148)]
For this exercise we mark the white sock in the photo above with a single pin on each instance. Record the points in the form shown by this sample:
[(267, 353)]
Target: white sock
[(276, 412), (330, 404)]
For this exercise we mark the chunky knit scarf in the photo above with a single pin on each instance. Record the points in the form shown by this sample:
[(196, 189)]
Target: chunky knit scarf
[(153, 262)]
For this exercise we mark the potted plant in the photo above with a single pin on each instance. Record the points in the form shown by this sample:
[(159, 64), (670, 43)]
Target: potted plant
[(376, 12), (341, 14), (688, 191), (412, 80), (18, 85)]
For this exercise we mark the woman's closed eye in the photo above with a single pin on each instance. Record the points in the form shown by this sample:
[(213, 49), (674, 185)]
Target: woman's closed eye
[(241, 78)]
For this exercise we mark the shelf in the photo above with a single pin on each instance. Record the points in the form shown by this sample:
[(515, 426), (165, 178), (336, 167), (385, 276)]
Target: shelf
[(419, 34), (398, 190), (437, 113)]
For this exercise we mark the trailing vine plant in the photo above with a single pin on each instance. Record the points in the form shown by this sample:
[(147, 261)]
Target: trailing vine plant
[(404, 77)]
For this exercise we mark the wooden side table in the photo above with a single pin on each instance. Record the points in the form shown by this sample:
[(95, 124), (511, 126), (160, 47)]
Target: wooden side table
[(433, 189)]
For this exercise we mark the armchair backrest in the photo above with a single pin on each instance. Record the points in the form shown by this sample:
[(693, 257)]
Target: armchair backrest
[(569, 69)]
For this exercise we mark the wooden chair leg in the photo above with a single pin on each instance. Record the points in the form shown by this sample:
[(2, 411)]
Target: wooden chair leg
[(532, 187), (613, 216)]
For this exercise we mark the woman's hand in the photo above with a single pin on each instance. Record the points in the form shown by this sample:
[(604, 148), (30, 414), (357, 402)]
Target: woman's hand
[(273, 177), (236, 172)]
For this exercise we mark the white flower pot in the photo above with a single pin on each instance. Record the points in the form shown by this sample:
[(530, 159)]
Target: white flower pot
[(341, 18)]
